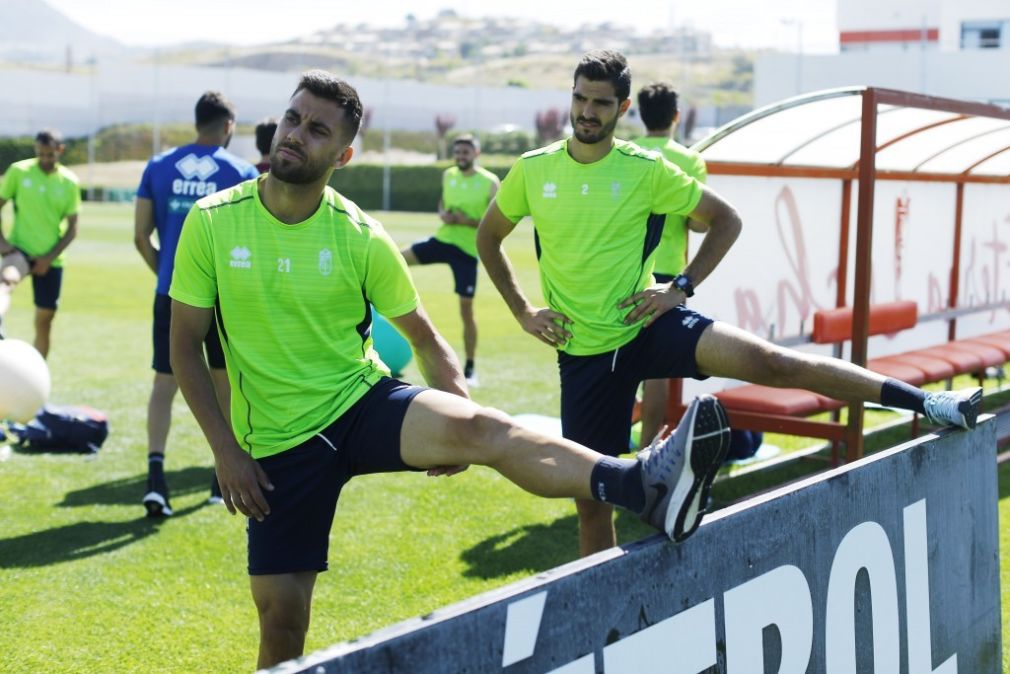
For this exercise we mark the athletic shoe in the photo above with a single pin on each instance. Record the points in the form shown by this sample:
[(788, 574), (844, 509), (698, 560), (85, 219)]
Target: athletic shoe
[(954, 408), (215, 492), (472, 380), (677, 472), (156, 502)]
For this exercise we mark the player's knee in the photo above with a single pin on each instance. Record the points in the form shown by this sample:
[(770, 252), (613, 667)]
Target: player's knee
[(482, 435), (780, 366), (282, 614)]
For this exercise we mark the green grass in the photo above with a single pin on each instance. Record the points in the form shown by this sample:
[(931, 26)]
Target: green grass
[(88, 584)]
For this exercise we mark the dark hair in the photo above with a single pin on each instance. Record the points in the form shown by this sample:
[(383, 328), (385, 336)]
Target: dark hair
[(265, 134), (606, 65), (213, 108), (466, 139), (657, 105), (327, 85), (49, 137)]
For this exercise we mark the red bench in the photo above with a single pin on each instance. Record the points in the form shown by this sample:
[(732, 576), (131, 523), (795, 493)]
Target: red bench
[(777, 410)]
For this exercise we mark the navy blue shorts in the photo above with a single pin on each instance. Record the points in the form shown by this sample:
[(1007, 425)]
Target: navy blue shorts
[(308, 478), (464, 267), (598, 392), (46, 288), (160, 331)]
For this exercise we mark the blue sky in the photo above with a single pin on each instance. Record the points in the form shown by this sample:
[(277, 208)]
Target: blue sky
[(776, 24)]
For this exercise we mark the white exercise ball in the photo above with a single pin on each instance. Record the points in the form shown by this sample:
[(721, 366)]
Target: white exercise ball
[(24, 381)]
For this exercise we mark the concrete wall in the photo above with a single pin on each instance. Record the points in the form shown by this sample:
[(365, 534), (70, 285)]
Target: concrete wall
[(974, 75), (890, 565), (78, 103)]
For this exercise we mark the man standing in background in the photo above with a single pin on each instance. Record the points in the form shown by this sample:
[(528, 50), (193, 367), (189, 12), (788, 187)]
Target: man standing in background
[(264, 137), (657, 107), (467, 189), (45, 193), (171, 183)]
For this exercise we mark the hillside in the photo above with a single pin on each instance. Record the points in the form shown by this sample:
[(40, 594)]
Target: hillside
[(32, 31)]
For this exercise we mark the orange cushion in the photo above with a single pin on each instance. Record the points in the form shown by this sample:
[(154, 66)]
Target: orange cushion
[(990, 355), (1001, 342), (835, 325), (935, 369), (963, 361), (768, 400), (897, 370)]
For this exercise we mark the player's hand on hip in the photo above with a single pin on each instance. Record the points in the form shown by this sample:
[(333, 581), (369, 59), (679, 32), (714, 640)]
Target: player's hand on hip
[(652, 303), (546, 325), (242, 481)]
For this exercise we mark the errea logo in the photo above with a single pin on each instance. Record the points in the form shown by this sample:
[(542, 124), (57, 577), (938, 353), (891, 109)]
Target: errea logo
[(550, 191), (240, 257), (200, 168)]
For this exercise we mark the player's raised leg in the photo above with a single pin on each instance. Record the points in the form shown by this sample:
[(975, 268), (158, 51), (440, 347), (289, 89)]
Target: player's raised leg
[(727, 351)]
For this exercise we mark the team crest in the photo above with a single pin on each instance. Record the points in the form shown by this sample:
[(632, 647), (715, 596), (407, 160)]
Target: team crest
[(325, 262)]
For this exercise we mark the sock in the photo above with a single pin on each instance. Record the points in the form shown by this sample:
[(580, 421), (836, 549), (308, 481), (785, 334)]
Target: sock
[(618, 481), (896, 393), (155, 470), (468, 368)]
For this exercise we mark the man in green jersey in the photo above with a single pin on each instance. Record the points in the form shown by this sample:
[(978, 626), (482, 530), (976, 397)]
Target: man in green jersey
[(45, 194), (467, 189), (657, 108), (290, 269), (597, 206)]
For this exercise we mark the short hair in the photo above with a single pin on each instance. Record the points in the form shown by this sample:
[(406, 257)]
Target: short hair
[(467, 139), (657, 105), (49, 137), (606, 65), (327, 85), (213, 108), (265, 134)]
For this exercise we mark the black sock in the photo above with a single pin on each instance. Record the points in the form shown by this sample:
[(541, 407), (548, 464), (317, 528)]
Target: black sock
[(155, 470), (618, 481), (896, 393), (468, 368)]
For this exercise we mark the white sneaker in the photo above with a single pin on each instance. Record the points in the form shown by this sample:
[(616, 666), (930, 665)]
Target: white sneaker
[(473, 381), (954, 408), (677, 472)]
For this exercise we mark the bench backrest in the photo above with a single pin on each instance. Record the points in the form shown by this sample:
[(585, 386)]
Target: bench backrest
[(835, 325)]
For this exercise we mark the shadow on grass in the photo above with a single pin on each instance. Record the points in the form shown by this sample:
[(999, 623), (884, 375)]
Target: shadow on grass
[(539, 547), (1003, 475), (130, 490), (77, 541)]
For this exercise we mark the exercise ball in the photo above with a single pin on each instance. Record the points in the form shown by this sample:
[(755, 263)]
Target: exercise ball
[(392, 348), (24, 381)]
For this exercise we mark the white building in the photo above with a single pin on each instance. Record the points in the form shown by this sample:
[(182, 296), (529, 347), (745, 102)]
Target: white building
[(954, 48)]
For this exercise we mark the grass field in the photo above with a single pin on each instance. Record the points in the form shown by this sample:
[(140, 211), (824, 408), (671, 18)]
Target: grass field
[(88, 584)]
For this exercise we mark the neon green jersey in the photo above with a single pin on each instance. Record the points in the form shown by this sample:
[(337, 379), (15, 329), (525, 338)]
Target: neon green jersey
[(42, 201), (471, 195), (292, 303), (595, 238), (671, 256)]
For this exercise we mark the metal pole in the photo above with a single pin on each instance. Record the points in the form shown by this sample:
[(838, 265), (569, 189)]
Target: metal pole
[(864, 262), (386, 178)]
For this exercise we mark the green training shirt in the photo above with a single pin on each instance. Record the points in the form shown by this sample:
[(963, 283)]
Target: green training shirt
[(595, 239), (293, 308), (671, 256), (42, 202), (470, 194)]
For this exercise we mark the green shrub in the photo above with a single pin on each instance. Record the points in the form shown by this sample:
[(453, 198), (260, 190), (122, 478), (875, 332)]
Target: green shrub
[(411, 188)]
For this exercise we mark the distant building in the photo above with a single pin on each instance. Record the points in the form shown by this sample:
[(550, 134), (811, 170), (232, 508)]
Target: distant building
[(952, 48)]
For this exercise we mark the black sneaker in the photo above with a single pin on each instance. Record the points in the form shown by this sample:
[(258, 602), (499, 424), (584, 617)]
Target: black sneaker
[(677, 472), (156, 502)]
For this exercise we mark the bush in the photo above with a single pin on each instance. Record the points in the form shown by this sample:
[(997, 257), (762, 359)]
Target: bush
[(411, 188)]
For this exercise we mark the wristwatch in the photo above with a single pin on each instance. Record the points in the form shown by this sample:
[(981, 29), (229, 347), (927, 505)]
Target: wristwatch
[(683, 283)]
